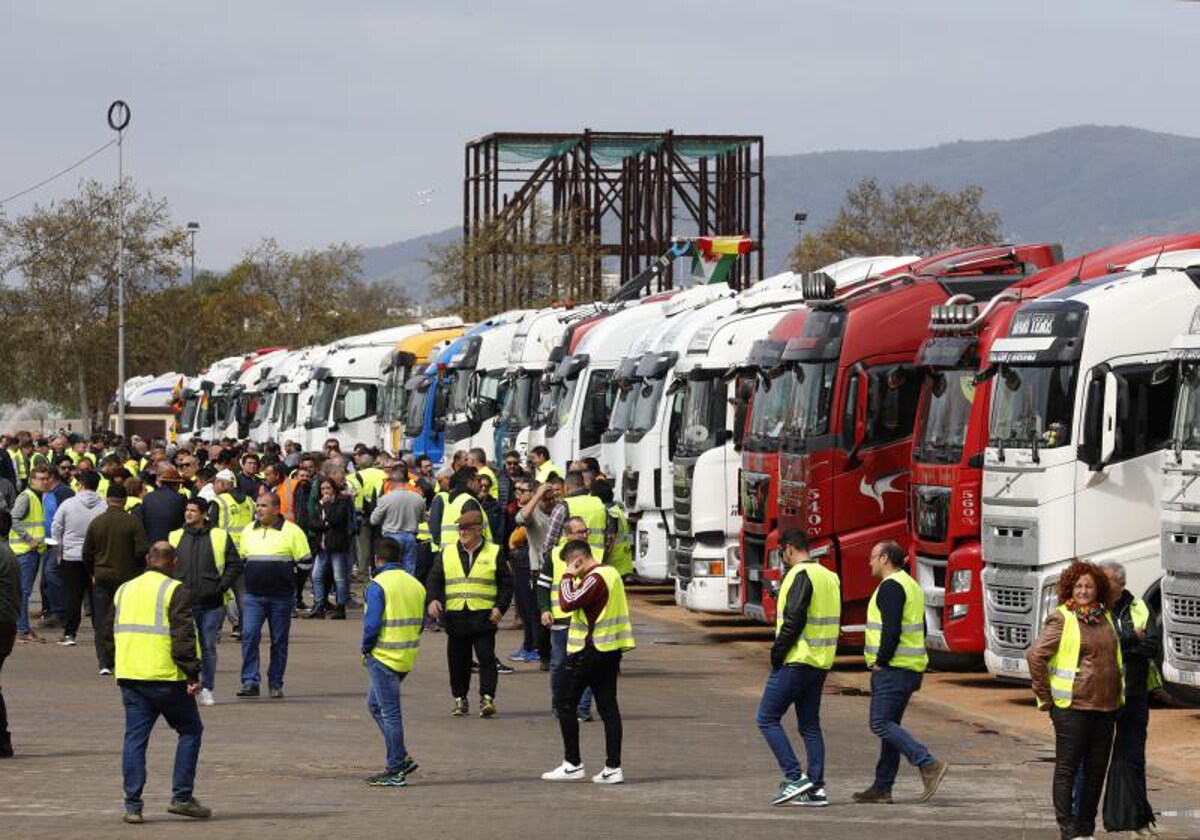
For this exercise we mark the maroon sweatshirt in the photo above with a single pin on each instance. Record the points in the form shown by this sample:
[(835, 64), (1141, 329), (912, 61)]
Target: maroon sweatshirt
[(589, 594)]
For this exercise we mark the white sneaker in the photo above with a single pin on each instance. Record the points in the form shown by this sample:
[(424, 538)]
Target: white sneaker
[(609, 776), (106, 672), (206, 697), (67, 641), (565, 773)]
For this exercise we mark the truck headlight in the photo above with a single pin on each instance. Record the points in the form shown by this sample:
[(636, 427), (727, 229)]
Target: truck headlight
[(774, 559), (643, 543), (958, 611), (1049, 600), (960, 581), (708, 568)]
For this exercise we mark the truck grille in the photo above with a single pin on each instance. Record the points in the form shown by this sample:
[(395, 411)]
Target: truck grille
[(931, 512), (1011, 636), (1183, 609), (1186, 648), (753, 563), (682, 486), (1010, 600), (684, 548), (755, 493), (630, 486)]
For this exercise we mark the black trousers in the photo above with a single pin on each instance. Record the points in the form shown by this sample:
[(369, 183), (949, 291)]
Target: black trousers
[(425, 560), (8, 635), (467, 632), (1082, 738), (103, 592), (526, 605), (590, 668), (75, 584)]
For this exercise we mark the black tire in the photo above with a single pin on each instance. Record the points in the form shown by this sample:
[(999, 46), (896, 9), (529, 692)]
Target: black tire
[(964, 663)]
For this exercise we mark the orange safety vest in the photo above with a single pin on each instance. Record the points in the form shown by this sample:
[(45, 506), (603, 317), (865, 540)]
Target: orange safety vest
[(287, 492)]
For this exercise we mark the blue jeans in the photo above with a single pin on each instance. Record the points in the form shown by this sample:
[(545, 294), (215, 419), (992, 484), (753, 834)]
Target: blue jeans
[(144, 702), (341, 576), (29, 564), (383, 702), (799, 686), (891, 689), (54, 600), (208, 625), (408, 549), (276, 610), (558, 665)]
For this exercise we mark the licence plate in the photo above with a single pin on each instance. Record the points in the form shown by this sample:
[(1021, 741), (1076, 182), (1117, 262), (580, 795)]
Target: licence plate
[(1188, 677), (1010, 664)]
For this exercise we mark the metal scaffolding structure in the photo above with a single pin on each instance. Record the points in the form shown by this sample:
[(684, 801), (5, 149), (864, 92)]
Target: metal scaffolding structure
[(603, 200)]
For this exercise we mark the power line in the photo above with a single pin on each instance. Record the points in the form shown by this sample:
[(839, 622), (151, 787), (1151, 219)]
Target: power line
[(58, 175)]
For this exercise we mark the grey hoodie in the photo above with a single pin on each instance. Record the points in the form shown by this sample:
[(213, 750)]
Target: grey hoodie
[(71, 522)]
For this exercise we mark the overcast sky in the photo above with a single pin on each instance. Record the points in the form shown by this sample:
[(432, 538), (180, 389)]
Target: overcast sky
[(315, 122)]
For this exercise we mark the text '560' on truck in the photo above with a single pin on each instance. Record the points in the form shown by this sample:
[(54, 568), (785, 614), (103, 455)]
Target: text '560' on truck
[(1082, 407), (849, 385), (713, 378), (952, 432)]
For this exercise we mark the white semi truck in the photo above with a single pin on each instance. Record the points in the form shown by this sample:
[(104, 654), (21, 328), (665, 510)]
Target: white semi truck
[(246, 393), (528, 356), (1082, 408), (714, 375)]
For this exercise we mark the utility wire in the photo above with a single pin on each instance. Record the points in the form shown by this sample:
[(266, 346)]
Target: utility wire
[(58, 175)]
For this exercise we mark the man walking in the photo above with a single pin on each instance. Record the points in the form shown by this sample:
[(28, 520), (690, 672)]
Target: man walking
[(69, 530), (272, 548), (395, 606), (27, 541), (806, 632), (207, 563), (600, 632), (54, 493), (895, 653), (157, 669), (469, 590), (398, 514), (114, 549)]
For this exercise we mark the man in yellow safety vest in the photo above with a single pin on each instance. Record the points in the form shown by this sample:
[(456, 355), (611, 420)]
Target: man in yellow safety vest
[(392, 621), (807, 622), (600, 632), (158, 668), (895, 652)]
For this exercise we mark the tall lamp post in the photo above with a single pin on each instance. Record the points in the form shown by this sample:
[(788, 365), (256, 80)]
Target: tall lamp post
[(192, 227), (118, 121)]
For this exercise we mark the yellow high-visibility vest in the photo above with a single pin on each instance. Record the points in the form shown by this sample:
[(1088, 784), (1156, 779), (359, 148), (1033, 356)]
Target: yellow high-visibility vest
[(234, 516), (34, 523), (452, 509), (1064, 664), (142, 630), (403, 608), (475, 590), (613, 629), (620, 553), (817, 645), (592, 511), (910, 652)]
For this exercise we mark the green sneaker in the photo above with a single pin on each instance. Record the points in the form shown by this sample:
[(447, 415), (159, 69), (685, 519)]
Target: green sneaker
[(460, 707), (487, 706), (190, 808), (789, 789), (408, 765), (814, 798), (393, 780)]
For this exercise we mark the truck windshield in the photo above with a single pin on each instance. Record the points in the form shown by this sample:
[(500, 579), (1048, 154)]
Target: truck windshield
[(284, 411), (546, 400), (323, 402), (460, 391), (187, 417), (770, 408), (942, 423), (1187, 414), (1033, 404), (646, 408), (416, 412), (563, 394), (623, 411), (222, 406), (265, 400), (394, 400), (703, 413), (518, 400), (811, 398)]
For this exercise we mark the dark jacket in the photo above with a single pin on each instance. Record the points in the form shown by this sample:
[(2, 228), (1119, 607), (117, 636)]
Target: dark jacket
[(10, 585), (1138, 653), (196, 566), (114, 548), (332, 525), (250, 485), (161, 512)]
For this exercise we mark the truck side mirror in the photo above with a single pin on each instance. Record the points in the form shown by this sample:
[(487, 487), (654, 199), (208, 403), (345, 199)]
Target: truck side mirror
[(860, 394)]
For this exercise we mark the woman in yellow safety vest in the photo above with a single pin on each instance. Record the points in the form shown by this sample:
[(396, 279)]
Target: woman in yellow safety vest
[(1076, 670)]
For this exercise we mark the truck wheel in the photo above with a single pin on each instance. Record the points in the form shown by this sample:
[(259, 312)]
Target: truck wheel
[(966, 663)]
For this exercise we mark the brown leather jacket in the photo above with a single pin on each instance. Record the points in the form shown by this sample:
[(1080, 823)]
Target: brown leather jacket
[(1098, 678)]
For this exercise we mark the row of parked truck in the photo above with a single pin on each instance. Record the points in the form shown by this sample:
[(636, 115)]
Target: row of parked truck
[(997, 409)]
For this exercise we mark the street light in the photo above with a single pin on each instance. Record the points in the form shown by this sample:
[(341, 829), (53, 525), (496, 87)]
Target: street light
[(800, 219), (192, 227)]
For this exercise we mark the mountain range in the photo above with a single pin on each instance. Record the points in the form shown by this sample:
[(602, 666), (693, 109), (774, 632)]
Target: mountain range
[(1083, 186)]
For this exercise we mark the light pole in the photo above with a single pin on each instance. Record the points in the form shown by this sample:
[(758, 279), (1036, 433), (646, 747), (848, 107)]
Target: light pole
[(800, 219), (118, 121), (192, 227)]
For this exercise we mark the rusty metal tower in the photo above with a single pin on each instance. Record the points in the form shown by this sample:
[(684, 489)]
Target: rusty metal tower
[(602, 200)]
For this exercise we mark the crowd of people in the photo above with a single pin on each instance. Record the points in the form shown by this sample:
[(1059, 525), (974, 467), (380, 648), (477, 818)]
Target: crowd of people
[(164, 546), (196, 539)]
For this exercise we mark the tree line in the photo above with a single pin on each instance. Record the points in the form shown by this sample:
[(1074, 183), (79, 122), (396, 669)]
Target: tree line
[(58, 298)]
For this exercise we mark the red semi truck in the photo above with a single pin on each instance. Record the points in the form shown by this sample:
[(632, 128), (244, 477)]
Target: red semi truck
[(849, 375), (951, 434)]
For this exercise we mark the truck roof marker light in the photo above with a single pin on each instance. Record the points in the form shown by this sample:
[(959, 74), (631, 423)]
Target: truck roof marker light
[(816, 285)]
